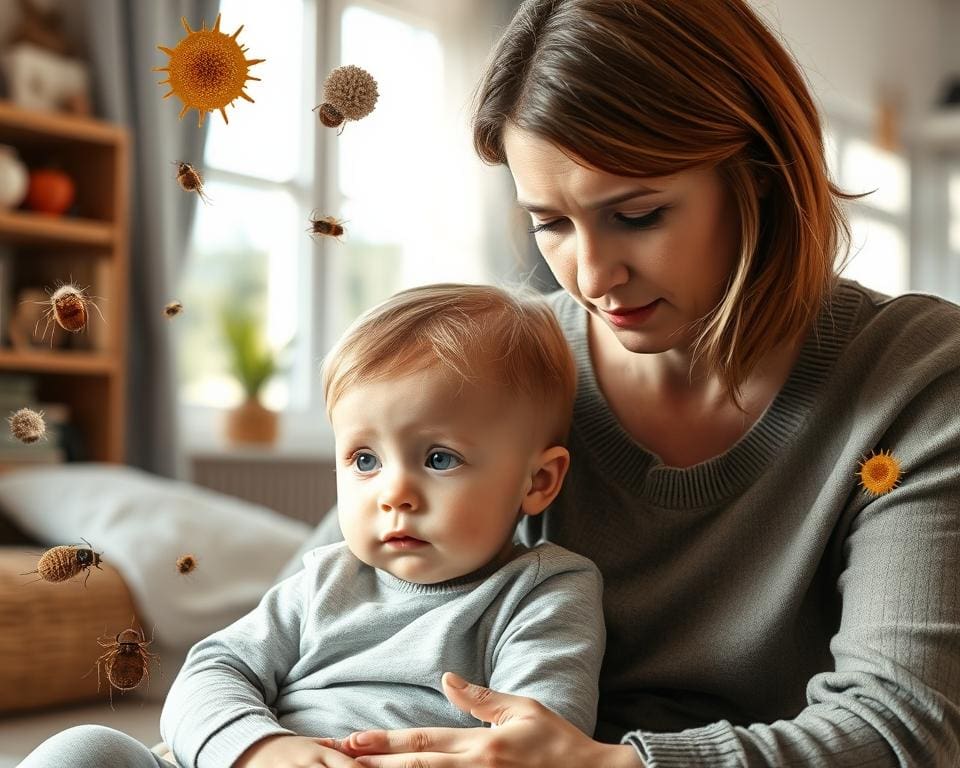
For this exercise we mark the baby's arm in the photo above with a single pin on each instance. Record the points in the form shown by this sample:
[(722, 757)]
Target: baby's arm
[(219, 705), (552, 648)]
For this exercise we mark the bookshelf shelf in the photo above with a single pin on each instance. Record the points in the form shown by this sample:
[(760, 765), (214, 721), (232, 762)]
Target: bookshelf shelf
[(83, 385), (26, 127), (26, 228), (57, 362)]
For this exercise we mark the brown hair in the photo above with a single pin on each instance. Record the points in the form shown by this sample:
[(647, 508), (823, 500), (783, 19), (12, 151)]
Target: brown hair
[(479, 333), (655, 87)]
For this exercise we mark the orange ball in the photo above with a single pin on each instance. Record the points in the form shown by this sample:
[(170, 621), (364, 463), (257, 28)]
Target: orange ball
[(50, 191)]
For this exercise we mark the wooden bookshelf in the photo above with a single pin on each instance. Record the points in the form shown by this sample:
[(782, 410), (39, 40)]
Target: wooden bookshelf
[(88, 246)]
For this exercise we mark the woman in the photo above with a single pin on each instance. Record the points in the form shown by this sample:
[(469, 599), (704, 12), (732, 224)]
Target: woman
[(765, 457)]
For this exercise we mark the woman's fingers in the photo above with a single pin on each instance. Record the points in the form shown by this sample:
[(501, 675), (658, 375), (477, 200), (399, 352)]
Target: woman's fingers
[(485, 704), (441, 740)]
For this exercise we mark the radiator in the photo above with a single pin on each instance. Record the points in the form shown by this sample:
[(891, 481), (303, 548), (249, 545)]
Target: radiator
[(302, 488)]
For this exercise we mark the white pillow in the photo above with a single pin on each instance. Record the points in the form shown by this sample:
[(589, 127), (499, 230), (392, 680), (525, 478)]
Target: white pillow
[(142, 523)]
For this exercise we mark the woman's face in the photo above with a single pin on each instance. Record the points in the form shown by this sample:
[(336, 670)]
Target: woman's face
[(618, 243)]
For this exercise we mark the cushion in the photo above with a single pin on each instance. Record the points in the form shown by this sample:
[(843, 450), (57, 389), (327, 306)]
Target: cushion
[(141, 524)]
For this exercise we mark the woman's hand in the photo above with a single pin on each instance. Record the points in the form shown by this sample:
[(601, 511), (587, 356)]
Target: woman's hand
[(286, 751), (525, 735)]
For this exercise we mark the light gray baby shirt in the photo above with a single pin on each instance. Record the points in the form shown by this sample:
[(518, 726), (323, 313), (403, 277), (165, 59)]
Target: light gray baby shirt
[(340, 646)]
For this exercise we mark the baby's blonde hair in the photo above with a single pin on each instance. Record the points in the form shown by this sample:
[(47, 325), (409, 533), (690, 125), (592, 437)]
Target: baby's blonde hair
[(481, 334)]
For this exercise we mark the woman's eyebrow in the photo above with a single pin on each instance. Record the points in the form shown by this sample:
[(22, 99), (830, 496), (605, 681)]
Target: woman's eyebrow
[(619, 198)]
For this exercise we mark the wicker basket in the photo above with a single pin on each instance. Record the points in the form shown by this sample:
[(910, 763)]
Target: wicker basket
[(48, 632)]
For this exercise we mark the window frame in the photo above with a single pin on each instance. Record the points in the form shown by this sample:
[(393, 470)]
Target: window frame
[(305, 429), (842, 131)]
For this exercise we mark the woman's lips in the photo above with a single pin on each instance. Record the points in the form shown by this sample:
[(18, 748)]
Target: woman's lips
[(633, 317)]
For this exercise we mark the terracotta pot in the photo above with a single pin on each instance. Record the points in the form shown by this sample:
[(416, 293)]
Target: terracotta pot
[(250, 423)]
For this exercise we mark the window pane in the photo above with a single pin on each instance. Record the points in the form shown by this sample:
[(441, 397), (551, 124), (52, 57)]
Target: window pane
[(244, 253), (272, 125), (865, 168), (879, 256), (954, 209), (404, 225)]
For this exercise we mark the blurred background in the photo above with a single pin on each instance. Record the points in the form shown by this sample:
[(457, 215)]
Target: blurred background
[(173, 395)]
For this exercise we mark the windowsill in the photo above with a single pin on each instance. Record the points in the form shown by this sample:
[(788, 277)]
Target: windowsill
[(277, 452), (301, 437)]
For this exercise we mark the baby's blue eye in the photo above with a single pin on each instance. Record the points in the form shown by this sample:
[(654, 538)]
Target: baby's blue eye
[(366, 462), (442, 460)]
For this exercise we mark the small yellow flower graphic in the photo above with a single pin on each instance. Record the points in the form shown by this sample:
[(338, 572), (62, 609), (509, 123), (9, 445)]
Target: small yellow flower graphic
[(207, 70), (880, 473)]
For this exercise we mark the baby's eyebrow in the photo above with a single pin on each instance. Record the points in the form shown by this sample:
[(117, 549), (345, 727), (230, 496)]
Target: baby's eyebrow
[(619, 198)]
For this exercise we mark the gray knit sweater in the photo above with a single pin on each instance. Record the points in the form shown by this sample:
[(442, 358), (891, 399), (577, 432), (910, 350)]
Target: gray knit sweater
[(341, 646), (762, 609)]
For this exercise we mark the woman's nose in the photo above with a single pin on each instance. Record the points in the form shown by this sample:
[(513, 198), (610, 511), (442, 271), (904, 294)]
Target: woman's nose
[(601, 265)]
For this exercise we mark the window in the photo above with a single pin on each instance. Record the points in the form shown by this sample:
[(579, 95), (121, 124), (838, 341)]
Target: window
[(880, 222), (404, 181), (248, 245)]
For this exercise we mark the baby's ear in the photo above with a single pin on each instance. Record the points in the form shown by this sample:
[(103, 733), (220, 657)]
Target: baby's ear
[(547, 478)]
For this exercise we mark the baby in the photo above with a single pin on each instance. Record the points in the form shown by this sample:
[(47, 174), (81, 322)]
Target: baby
[(450, 405)]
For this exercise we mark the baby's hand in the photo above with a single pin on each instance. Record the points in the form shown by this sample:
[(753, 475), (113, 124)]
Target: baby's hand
[(285, 751)]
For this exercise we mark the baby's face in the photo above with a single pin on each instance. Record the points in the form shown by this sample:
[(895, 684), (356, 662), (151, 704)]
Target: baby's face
[(442, 471)]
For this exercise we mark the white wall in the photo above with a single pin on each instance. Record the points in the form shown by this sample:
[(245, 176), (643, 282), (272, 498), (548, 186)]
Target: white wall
[(851, 48)]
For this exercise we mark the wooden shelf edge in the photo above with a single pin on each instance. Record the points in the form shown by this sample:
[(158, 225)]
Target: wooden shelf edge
[(58, 125), (93, 363), (27, 226)]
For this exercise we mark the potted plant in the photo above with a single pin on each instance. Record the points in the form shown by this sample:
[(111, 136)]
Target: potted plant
[(253, 363)]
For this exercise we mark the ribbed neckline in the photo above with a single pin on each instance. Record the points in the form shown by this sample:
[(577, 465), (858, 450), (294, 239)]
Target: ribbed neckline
[(460, 584), (716, 480)]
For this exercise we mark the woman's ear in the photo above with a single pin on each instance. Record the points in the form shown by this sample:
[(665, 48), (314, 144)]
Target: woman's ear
[(546, 481)]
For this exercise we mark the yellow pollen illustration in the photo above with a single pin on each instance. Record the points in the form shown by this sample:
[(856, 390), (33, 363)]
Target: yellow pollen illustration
[(880, 473), (207, 70)]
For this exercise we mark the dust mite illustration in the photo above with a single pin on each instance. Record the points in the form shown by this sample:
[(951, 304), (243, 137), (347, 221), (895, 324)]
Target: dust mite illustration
[(68, 308), (880, 473), (27, 426), (190, 180), (207, 70), (326, 225), (349, 93), (186, 564), (126, 661), (62, 563), (172, 309)]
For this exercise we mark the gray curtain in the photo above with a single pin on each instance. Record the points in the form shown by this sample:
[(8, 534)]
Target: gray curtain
[(121, 45)]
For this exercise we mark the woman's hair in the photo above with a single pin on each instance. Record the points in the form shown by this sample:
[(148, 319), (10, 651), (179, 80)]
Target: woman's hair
[(655, 87), (480, 334)]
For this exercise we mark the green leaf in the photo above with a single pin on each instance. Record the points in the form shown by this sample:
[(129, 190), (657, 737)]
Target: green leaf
[(251, 360)]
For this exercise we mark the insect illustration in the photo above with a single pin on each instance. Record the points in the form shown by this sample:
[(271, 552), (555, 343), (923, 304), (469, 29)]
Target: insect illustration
[(173, 309), (126, 662), (880, 473), (208, 70), (27, 426), (186, 564), (349, 93), (190, 180), (68, 307), (326, 225), (62, 563)]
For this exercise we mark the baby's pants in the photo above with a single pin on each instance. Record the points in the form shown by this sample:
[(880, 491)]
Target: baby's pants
[(92, 746)]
